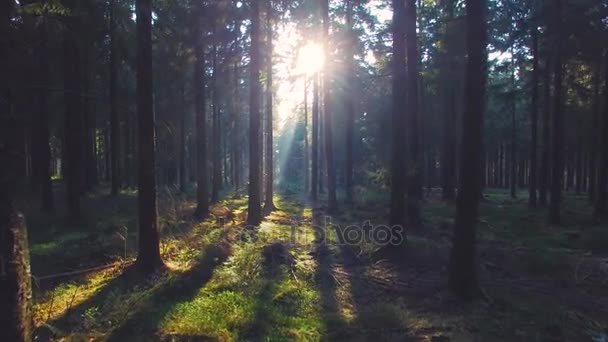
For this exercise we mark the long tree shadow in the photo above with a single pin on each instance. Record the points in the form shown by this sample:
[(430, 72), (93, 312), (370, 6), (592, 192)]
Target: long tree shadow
[(149, 298), (144, 322), (326, 281)]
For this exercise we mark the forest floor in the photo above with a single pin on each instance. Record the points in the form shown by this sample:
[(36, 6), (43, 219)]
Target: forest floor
[(542, 283)]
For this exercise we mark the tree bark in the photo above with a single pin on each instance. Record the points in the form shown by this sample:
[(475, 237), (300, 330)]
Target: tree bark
[(216, 137), (557, 164), (532, 200), (349, 100), (73, 120), (202, 196), (314, 170), (114, 116), (414, 183), (602, 191), (148, 258), (15, 278), (463, 280), (595, 137), (41, 139), (513, 144), (254, 211), (398, 119), (332, 202), (182, 143), (268, 201)]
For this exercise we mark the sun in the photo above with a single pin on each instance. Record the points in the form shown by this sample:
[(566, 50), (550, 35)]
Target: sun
[(310, 59)]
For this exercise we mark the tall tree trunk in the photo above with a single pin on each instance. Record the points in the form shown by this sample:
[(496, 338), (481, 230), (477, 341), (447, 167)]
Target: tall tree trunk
[(268, 201), (398, 119), (15, 278), (202, 193), (448, 150), (306, 143), (595, 137), (73, 119), (532, 200), (349, 100), (182, 142), (148, 258), (254, 211), (463, 265), (414, 183), (217, 168), (332, 202), (114, 118), (513, 145), (602, 191), (545, 176), (314, 170), (41, 138), (236, 129), (557, 164)]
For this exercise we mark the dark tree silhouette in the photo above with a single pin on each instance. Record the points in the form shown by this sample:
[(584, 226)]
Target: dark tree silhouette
[(314, 170), (148, 258), (332, 202), (73, 118), (534, 118), (268, 193), (254, 211), (41, 149), (557, 144), (202, 193), (414, 183), (114, 117), (463, 266), (602, 192), (349, 99), (398, 119)]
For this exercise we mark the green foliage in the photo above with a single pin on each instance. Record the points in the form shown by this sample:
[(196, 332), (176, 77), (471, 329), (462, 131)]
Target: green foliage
[(53, 7)]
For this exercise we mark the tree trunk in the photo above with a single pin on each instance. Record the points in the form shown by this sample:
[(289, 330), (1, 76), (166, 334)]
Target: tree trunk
[(268, 201), (448, 154), (332, 203), (148, 258), (595, 137), (73, 118), (114, 118), (602, 191), (236, 135), (349, 100), (217, 168), (463, 265), (398, 120), (532, 201), (314, 177), (513, 145), (414, 183), (41, 138), (254, 211), (15, 278), (202, 197), (545, 176), (557, 164), (306, 143), (182, 142)]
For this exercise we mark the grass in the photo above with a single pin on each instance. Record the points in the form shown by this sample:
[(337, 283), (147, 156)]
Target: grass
[(229, 289)]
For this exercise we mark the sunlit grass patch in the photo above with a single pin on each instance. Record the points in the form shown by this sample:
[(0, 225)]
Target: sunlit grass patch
[(56, 302), (216, 315)]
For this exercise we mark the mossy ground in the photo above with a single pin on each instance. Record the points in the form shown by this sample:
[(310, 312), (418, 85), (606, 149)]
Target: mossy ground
[(543, 283)]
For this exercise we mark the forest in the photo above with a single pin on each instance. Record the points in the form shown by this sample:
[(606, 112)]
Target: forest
[(304, 170)]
